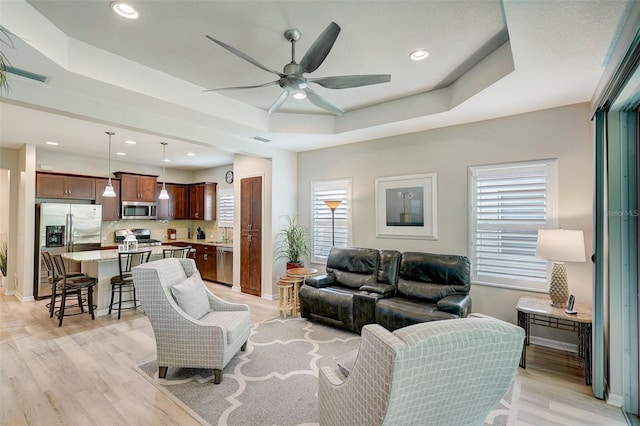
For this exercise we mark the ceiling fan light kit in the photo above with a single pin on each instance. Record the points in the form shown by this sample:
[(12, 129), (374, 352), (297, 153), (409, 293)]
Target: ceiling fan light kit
[(292, 81)]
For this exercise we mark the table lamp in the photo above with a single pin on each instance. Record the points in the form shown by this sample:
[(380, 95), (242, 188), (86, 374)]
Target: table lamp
[(333, 205), (559, 246)]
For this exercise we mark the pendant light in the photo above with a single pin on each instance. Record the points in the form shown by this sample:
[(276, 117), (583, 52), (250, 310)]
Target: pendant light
[(108, 190), (164, 195)]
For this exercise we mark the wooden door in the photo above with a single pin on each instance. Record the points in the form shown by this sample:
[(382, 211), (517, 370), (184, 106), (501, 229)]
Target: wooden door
[(147, 188), (110, 205), (129, 188), (81, 188), (51, 185), (196, 194), (178, 206), (251, 236)]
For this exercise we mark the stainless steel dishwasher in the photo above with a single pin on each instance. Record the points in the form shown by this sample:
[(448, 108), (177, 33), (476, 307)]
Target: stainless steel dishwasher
[(224, 264)]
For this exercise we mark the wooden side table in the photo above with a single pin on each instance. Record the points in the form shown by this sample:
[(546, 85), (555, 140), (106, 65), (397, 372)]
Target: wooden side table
[(538, 311), (301, 274)]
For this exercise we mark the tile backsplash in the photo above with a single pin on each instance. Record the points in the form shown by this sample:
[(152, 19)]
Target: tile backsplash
[(159, 228)]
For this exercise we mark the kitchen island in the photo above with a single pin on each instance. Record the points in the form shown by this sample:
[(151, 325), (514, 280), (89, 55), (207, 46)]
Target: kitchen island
[(103, 264)]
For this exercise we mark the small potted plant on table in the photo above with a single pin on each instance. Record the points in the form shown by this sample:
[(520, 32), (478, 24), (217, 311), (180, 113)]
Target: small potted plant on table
[(292, 243)]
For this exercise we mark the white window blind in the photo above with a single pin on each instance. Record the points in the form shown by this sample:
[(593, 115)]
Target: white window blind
[(225, 207), (321, 217), (509, 203)]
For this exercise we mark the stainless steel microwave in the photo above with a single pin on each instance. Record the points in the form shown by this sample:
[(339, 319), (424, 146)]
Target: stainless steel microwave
[(138, 210)]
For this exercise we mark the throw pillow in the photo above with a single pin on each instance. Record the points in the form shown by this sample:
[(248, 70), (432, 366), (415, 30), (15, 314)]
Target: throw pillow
[(345, 361), (191, 296)]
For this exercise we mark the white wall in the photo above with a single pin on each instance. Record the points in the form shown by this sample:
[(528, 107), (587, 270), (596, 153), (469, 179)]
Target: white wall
[(76, 164), (9, 162), (563, 133)]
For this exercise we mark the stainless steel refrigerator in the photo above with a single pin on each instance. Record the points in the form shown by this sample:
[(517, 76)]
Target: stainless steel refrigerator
[(63, 228)]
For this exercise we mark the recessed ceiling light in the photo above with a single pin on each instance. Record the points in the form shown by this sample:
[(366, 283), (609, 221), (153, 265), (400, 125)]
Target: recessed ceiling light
[(299, 95), (130, 142), (51, 143), (166, 160), (121, 153), (191, 154), (125, 10), (418, 55)]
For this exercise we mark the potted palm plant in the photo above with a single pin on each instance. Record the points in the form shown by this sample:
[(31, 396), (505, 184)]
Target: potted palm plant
[(292, 243)]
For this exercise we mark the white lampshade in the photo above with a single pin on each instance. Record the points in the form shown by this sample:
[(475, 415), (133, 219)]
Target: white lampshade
[(560, 245), (108, 190), (164, 195)]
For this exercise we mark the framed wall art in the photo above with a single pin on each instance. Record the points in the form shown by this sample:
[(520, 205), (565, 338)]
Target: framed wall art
[(406, 206)]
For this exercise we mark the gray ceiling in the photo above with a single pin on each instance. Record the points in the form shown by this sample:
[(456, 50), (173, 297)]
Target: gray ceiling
[(146, 77)]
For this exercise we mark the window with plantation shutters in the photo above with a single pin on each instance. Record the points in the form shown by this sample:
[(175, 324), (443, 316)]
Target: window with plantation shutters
[(322, 191), (508, 204), (225, 207)]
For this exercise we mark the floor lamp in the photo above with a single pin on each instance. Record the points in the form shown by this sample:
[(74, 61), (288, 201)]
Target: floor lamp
[(559, 246), (333, 205)]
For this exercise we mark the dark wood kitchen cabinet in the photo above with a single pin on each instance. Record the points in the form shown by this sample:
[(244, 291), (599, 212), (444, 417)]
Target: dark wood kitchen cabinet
[(71, 187), (202, 201), (251, 236), (176, 207), (110, 205), (205, 258), (136, 187)]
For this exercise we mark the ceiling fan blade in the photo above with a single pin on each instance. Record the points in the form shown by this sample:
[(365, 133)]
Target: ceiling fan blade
[(222, 89), (320, 48), (278, 103), (244, 56), (323, 102), (346, 81)]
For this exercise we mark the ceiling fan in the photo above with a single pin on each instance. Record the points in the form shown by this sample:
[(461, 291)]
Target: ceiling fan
[(292, 79)]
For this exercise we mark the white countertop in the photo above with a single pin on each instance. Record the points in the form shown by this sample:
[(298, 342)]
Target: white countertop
[(107, 255)]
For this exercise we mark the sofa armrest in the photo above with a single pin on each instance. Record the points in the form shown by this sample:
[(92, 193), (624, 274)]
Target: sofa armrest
[(458, 304), (320, 281), (385, 290)]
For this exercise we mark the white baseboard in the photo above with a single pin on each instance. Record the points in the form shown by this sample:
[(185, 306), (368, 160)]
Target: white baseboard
[(555, 344), (615, 400), (270, 296)]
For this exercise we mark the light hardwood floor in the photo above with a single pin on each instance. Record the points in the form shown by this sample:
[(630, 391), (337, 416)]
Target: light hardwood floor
[(82, 373)]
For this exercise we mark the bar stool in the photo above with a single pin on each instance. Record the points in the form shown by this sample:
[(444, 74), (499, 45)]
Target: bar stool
[(285, 298), (182, 252), (55, 276), (124, 280), (295, 282), (74, 286)]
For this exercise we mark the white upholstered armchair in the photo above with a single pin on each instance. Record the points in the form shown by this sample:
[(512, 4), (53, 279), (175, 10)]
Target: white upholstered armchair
[(193, 328), (450, 372)]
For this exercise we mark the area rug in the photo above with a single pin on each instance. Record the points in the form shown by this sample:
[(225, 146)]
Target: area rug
[(275, 382)]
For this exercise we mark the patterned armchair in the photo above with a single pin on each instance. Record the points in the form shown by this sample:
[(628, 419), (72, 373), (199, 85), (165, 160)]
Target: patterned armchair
[(209, 339), (449, 372)]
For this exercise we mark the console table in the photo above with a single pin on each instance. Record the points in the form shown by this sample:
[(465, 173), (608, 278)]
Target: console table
[(538, 311)]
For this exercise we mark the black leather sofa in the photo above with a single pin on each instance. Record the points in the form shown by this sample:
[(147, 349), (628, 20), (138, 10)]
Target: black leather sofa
[(364, 286), (430, 287)]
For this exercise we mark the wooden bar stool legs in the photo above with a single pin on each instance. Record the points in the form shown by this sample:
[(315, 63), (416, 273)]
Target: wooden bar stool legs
[(294, 296), (285, 302), (71, 285)]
